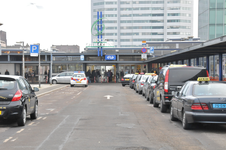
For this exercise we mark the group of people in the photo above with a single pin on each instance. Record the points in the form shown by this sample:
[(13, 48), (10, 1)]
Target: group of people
[(6, 72), (95, 75)]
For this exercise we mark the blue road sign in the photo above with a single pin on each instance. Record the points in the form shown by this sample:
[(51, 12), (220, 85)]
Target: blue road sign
[(34, 50), (151, 50), (143, 50), (110, 57), (82, 57)]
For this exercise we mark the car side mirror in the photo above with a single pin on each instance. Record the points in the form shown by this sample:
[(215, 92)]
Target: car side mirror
[(35, 89)]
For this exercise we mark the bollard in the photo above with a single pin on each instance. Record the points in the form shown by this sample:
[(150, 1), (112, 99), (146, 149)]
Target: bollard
[(94, 79), (108, 79)]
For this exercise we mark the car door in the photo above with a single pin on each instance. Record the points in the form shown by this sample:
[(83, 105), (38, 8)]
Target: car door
[(60, 77), (68, 77), (26, 94), (31, 95), (181, 100), (159, 88)]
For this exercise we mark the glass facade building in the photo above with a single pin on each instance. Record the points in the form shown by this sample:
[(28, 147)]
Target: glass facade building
[(128, 23), (212, 19)]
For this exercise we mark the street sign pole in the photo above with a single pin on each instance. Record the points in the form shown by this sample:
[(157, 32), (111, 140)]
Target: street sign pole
[(39, 66)]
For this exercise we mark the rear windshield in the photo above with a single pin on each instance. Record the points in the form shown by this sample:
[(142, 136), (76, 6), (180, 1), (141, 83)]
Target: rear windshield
[(214, 89), (144, 77), (7, 85), (79, 75), (134, 76), (185, 74), (128, 76)]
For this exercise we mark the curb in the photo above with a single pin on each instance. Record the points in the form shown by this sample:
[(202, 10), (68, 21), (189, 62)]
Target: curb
[(38, 95)]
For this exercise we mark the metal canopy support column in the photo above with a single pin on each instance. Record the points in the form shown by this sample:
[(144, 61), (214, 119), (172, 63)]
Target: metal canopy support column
[(182, 61), (220, 66), (197, 61), (207, 63), (117, 71), (189, 62), (214, 73)]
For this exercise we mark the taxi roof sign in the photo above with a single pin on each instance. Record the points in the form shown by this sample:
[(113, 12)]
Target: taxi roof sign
[(175, 65), (149, 73), (136, 73), (203, 79), (79, 72)]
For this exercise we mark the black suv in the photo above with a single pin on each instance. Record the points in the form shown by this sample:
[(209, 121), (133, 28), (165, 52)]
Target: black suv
[(172, 78), (17, 99)]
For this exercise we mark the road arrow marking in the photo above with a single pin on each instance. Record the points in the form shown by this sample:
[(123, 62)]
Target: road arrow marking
[(108, 96)]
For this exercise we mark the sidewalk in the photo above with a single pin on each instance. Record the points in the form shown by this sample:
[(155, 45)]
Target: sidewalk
[(47, 88)]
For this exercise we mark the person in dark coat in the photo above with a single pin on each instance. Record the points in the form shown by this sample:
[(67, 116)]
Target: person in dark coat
[(17, 73), (6, 72)]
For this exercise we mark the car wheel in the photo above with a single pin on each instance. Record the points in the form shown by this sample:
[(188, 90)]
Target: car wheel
[(22, 120), (34, 115), (54, 82), (154, 103), (86, 85), (151, 99), (185, 124), (72, 85), (172, 118), (163, 107), (123, 84)]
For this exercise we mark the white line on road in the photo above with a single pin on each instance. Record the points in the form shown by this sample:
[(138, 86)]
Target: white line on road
[(6, 140), (52, 133), (14, 139), (31, 123), (79, 93), (44, 118), (39, 118), (20, 131)]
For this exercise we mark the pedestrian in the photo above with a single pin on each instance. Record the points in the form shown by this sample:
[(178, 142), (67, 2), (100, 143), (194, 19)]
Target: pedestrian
[(48, 76), (26, 75), (111, 74), (98, 75), (88, 74), (6, 72), (117, 76), (94, 75), (33, 75), (45, 75), (108, 75), (122, 74)]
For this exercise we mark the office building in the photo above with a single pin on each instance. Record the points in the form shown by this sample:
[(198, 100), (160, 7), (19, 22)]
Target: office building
[(66, 48), (3, 40), (212, 19), (128, 23)]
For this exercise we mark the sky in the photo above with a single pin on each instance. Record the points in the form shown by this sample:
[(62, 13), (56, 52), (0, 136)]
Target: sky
[(52, 22)]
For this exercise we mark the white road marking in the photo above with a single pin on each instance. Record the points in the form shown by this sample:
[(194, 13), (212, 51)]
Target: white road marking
[(31, 123), (6, 140), (44, 118), (79, 93), (39, 118), (51, 109), (108, 96), (47, 138), (14, 139), (20, 131)]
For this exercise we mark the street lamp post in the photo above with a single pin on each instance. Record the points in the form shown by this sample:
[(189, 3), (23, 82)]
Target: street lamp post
[(23, 57)]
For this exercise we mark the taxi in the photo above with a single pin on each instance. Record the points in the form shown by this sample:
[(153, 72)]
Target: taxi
[(147, 82), (132, 81), (79, 78), (201, 101), (126, 79)]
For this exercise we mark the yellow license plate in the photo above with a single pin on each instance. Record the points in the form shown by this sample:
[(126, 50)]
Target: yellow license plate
[(78, 82), (127, 79), (0, 112)]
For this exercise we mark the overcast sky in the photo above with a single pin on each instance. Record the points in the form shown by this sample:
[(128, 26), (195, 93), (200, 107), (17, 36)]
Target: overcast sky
[(51, 22)]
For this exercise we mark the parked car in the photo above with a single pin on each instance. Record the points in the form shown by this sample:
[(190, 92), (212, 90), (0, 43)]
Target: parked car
[(201, 101), (126, 79), (147, 82), (64, 77), (140, 84), (79, 78), (17, 99), (151, 87), (172, 78), (132, 81)]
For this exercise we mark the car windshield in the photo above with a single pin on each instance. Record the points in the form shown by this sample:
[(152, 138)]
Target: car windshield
[(7, 85), (128, 76), (134, 77), (214, 89), (79, 75)]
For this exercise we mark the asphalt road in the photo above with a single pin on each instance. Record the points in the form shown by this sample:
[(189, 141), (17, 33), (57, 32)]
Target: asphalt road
[(79, 118)]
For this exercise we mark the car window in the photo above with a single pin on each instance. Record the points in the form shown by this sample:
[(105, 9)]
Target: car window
[(79, 75), (62, 74), (215, 89), (185, 90), (28, 85), (147, 79), (7, 85), (144, 77), (22, 85), (128, 76), (70, 74)]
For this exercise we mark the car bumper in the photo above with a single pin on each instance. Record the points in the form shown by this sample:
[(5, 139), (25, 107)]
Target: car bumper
[(140, 88), (11, 111), (125, 82), (196, 117)]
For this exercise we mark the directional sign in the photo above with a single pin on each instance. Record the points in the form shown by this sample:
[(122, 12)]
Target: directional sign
[(82, 58), (34, 50), (151, 50), (143, 50), (110, 57), (144, 43), (144, 56)]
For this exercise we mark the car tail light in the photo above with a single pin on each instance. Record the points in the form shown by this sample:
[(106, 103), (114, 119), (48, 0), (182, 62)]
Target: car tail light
[(142, 83), (71, 78), (154, 86), (133, 81), (166, 97), (207, 73), (84, 78), (17, 96), (166, 81), (122, 79), (198, 106)]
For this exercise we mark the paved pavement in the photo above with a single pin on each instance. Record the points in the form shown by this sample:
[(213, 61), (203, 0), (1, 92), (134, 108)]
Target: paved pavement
[(47, 88)]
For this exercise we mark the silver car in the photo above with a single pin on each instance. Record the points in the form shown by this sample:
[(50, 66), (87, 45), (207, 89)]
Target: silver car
[(140, 84), (64, 77), (146, 83)]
